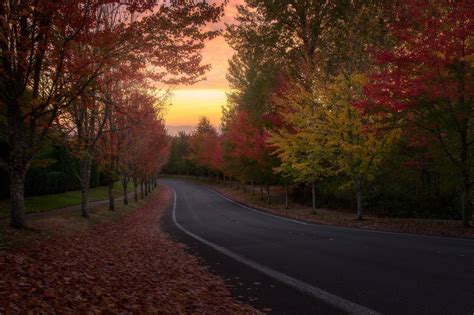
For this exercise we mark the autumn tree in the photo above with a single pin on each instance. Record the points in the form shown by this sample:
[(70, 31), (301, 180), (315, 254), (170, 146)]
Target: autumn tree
[(94, 110), (142, 139), (205, 147), (247, 154), (53, 50), (426, 81), (323, 134), (36, 42), (179, 161), (291, 33)]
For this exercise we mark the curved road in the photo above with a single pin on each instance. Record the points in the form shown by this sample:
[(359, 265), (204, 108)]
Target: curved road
[(353, 271)]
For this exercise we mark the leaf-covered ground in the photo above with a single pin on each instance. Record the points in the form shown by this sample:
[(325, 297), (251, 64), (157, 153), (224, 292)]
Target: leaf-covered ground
[(128, 266)]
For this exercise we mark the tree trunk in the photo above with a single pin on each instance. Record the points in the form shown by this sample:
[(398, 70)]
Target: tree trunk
[(111, 196), (244, 186), (125, 180), (286, 195), (145, 187), (142, 193), (209, 176), (217, 178), (359, 200), (466, 167), (85, 176), (313, 194), (253, 188), (17, 195), (19, 161), (135, 189), (261, 191), (304, 194), (269, 201), (466, 204)]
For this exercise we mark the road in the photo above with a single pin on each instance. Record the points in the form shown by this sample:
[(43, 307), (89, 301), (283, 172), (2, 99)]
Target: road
[(350, 270)]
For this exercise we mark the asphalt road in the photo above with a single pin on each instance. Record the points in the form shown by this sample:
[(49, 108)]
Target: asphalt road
[(330, 269)]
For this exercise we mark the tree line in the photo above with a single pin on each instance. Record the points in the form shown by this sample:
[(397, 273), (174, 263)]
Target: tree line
[(91, 76), (363, 103)]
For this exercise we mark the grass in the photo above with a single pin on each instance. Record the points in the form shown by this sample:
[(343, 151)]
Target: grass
[(49, 202), (67, 223)]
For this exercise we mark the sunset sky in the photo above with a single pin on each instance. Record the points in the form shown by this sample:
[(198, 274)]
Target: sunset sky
[(207, 97)]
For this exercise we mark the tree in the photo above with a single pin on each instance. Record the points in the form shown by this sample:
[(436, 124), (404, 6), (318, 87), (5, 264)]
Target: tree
[(275, 38), (301, 143), (359, 143), (323, 134), (205, 147), (179, 161), (426, 80), (291, 33), (52, 51), (145, 145), (35, 44), (247, 155)]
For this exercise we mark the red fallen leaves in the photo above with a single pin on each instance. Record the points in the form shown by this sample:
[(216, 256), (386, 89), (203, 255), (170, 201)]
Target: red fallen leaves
[(130, 266)]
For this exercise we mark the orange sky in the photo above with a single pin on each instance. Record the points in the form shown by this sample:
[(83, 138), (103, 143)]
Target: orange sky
[(207, 97)]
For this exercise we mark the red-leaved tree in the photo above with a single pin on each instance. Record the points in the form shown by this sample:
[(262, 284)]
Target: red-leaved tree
[(427, 80), (55, 53)]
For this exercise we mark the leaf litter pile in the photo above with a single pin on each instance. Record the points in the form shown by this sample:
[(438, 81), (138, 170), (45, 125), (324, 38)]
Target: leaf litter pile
[(129, 266)]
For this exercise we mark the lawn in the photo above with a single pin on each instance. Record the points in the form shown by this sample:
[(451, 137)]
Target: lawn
[(48, 202)]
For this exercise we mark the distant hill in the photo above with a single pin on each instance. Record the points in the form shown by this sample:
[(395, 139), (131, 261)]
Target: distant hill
[(174, 130)]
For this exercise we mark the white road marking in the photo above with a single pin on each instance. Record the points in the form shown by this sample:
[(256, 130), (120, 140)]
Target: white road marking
[(256, 210), (334, 300)]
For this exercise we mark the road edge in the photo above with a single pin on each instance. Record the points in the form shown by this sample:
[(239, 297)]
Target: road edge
[(320, 294)]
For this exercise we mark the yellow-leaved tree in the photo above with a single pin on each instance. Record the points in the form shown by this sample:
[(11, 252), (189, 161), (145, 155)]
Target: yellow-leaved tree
[(325, 135), (300, 142), (322, 133), (358, 143)]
